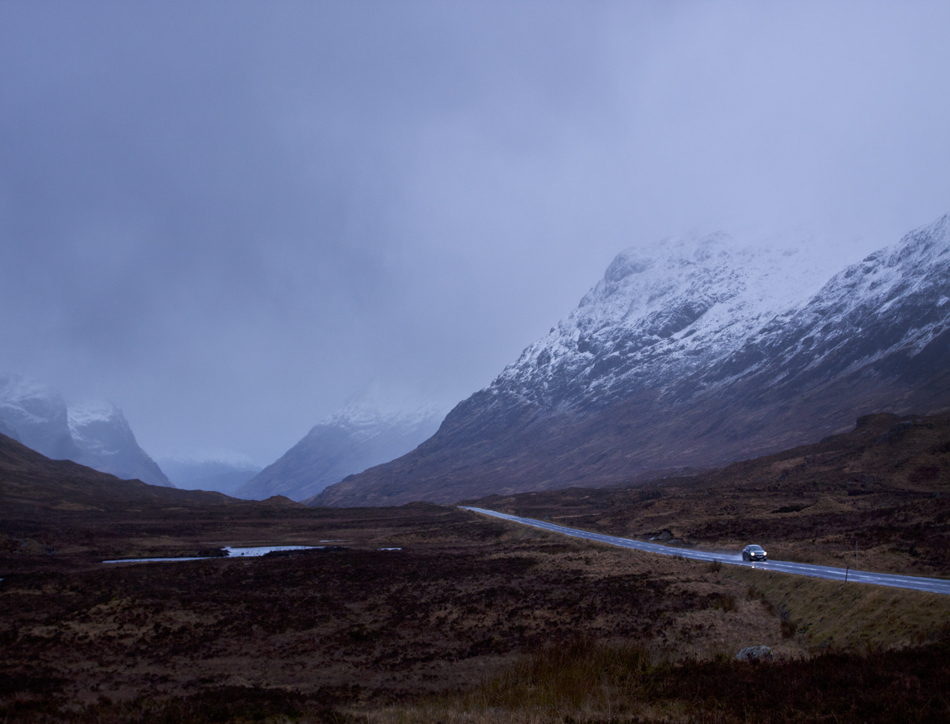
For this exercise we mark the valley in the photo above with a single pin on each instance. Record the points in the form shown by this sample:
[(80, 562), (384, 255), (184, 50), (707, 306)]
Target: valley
[(474, 362), (455, 623)]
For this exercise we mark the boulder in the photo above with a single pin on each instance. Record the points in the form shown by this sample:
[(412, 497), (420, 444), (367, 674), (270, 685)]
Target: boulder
[(755, 653)]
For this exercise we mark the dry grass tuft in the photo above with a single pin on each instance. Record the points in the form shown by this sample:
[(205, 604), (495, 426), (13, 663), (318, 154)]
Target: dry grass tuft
[(597, 683)]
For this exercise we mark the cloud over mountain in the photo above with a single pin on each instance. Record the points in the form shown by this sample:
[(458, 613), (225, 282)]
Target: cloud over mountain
[(692, 354)]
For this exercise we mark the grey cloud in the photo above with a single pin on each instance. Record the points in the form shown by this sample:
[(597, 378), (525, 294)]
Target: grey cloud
[(227, 217)]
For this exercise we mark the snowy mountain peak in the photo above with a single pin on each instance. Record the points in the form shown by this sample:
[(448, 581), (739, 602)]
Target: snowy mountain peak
[(686, 301), (894, 299), (28, 401), (87, 413), (93, 433), (378, 404), (99, 428), (362, 415), (925, 245), (697, 274), (36, 416), (17, 388), (375, 426)]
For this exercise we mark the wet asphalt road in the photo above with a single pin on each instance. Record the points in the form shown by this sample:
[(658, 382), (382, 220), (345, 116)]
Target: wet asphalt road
[(932, 585)]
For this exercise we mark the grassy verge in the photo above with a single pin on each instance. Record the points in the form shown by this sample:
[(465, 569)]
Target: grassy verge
[(849, 615)]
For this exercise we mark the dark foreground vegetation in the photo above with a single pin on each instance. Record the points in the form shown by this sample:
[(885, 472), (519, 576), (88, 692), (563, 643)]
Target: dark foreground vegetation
[(432, 614), (579, 681), (611, 682), (474, 620), (463, 597)]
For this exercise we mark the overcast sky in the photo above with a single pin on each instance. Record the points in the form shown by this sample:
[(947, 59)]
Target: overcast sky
[(227, 218)]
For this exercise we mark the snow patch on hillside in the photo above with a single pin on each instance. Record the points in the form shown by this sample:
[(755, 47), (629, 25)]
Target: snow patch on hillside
[(379, 406), (82, 415)]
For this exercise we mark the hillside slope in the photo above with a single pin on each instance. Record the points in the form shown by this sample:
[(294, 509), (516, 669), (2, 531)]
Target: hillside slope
[(350, 441), (33, 485), (694, 356), (883, 486)]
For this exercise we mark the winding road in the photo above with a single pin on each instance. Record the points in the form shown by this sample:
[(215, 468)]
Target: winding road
[(931, 585)]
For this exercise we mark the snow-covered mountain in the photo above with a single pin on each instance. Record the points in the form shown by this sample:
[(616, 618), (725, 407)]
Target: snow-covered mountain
[(106, 443), (695, 352), (362, 434), (37, 417), (654, 316), (94, 434), (888, 316)]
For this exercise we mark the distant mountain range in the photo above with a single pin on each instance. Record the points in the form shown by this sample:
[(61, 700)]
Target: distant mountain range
[(93, 434), (694, 353), (83, 505), (362, 434), (222, 473)]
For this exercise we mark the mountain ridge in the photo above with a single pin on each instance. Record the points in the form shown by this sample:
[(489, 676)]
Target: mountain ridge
[(347, 442), (95, 434), (614, 392), (32, 482)]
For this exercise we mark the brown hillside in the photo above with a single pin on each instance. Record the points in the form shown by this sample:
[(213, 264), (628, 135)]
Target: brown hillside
[(885, 483)]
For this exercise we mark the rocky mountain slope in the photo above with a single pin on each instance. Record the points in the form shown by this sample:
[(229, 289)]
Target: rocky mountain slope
[(36, 416), (92, 434), (355, 438), (106, 443), (699, 352)]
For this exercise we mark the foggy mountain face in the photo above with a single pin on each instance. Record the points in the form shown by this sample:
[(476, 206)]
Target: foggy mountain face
[(106, 443), (351, 440), (693, 355), (92, 434), (221, 475), (37, 417)]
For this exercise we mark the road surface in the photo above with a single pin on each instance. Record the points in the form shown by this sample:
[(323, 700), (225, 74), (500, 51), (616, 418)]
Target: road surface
[(932, 585)]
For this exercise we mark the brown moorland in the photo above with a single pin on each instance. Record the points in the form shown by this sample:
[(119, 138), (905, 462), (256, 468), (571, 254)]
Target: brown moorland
[(473, 619), (884, 486)]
